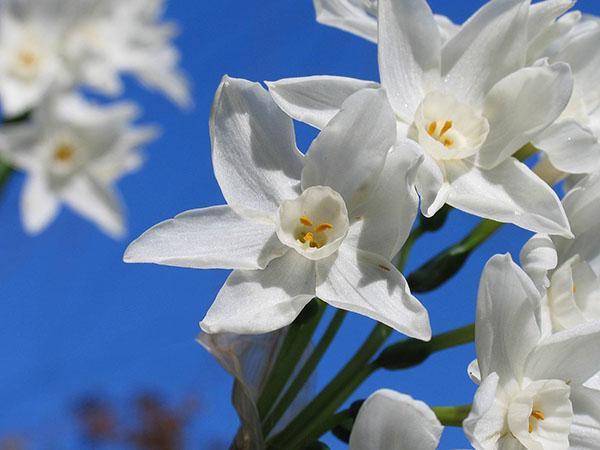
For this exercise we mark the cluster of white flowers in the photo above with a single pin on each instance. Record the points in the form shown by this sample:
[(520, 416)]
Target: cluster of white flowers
[(72, 150), (458, 109)]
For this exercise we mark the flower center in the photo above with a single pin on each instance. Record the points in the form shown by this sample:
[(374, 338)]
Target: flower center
[(311, 235), (64, 153), (314, 224), (439, 132), (533, 419)]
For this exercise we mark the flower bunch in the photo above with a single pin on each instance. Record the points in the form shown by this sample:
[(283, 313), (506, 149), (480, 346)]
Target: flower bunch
[(486, 117), (73, 150)]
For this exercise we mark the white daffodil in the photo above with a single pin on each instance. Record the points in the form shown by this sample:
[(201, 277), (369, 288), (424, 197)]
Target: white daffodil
[(73, 152), (571, 144), (566, 271), (114, 37), (468, 109), (326, 224), (531, 394), (359, 17), (388, 420)]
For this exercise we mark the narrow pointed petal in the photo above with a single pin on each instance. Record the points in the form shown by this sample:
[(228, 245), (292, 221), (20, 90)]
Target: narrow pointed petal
[(582, 204), (572, 355), (348, 15), (349, 154), (96, 203), (431, 186), (388, 420), (486, 422), (585, 429), (315, 100), (474, 372), (520, 106), (571, 147), (39, 206), (507, 326), (255, 158), (261, 301), (542, 14), (367, 284), (210, 238), (538, 256), (389, 214), (409, 53), (509, 193), (470, 62)]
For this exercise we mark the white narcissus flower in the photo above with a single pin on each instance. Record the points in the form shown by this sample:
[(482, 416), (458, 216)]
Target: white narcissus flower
[(389, 420), (115, 37), (469, 110), (73, 152), (566, 271), (326, 224), (360, 17), (532, 394), (571, 144)]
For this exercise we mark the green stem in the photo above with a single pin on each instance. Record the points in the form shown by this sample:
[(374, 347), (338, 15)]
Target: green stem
[(310, 423), (5, 172), (452, 416), (526, 152), (407, 247), (298, 337), (305, 372)]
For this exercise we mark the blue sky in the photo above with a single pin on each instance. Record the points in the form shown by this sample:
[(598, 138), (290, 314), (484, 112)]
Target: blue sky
[(75, 319)]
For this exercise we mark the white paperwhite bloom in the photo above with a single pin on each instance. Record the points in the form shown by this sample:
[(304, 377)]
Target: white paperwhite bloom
[(571, 144), (389, 420), (326, 224), (360, 17), (531, 394), (73, 152), (566, 271), (114, 37), (468, 109), (59, 43)]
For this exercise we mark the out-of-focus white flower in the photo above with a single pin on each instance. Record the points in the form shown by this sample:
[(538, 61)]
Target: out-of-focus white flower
[(62, 43), (115, 36), (468, 109), (571, 144), (360, 17), (389, 420), (73, 152), (531, 394), (326, 224), (566, 271)]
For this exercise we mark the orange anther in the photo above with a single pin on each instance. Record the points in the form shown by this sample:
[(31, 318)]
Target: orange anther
[(446, 127), (431, 129), (306, 221), (323, 227)]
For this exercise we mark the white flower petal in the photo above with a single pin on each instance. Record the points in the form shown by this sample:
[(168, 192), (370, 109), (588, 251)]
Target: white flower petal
[(409, 53), (315, 100), (96, 203), (352, 16), (470, 61), (474, 372), (520, 106), (388, 216), (368, 284), (585, 429), (432, 186), (571, 355), (582, 204), (260, 301), (542, 14), (255, 157), (538, 256), (215, 237), (510, 193), (486, 421), (571, 147), (507, 328), (349, 154), (39, 206), (388, 420)]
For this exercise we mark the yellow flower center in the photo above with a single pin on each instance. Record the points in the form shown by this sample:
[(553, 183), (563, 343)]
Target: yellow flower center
[(28, 58), (64, 153), (535, 416), (314, 236), (439, 133)]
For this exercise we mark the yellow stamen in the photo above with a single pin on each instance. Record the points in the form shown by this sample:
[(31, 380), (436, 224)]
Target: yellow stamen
[(530, 427), (306, 221), (64, 153), (574, 289), (448, 142), (431, 129), (308, 237), (537, 414), (323, 227), (446, 127), (27, 58)]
